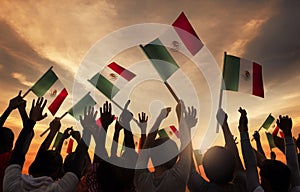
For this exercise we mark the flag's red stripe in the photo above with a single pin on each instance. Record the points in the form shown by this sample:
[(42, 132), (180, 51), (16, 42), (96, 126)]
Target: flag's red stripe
[(54, 106), (128, 75), (70, 146), (191, 40), (281, 134), (258, 87), (275, 132), (173, 128)]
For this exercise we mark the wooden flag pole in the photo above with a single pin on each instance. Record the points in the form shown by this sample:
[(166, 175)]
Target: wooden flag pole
[(172, 91), (41, 135), (221, 93)]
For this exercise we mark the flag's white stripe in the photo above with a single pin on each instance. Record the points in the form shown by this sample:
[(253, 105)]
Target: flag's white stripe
[(116, 79), (54, 91), (245, 82), (175, 45)]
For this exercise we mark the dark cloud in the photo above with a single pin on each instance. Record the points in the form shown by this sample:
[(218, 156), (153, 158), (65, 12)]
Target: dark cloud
[(277, 46)]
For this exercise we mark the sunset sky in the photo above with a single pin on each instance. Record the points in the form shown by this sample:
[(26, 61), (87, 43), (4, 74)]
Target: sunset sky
[(35, 35)]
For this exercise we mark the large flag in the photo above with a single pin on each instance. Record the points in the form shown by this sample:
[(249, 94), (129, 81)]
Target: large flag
[(270, 140), (161, 59), (50, 87), (182, 37), (78, 108), (168, 132), (111, 79), (243, 76), (268, 122)]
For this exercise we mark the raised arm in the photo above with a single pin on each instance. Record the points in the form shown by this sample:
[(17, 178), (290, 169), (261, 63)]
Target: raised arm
[(66, 135), (25, 137), (143, 119), (248, 154), (259, 148), (125, 118), (230, 144), (16, 102), (114, 146), (54, 128), (285, 124), (187, 120), (100, 134)]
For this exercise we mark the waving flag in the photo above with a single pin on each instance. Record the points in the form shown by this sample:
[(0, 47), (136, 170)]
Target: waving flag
[(161, 59), (78, 108), (270, 140), (168, 132), (243, 76), (50, 87), (268, 122), (111, 79)]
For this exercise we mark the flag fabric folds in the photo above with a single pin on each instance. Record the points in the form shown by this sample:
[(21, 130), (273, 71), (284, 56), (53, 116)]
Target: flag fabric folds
[(243, 76), (270, 140), (268, 122), (111, 79), (78, 108), (50, 87), (161, 59), (168, 132)]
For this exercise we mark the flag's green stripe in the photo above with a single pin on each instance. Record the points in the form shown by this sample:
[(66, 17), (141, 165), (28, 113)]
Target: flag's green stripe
[(44, 83), (231, 73), (161, 59), (104, 85), (57, 139), (268, 122), (270, 140), (78, 108), (162, 133)]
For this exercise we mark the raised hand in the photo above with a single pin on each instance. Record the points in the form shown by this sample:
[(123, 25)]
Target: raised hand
[(36, 112), (143, 119), (243, 123), (126, 116), (67, 133), (256, 136), (180, 109), (17, 102), (88, 121), (164, 113), (106, 117), (190, 117), (222, 116), (55, 125), (285, 124), (76, 135)]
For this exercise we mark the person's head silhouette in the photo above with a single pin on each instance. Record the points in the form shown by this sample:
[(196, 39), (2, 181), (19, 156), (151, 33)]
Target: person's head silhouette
[(218, 163), (275, 176), (47, 163), (6, 140)]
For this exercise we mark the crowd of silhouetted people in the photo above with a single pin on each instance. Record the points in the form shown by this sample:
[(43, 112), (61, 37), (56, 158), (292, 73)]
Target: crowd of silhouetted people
[(172, 168)]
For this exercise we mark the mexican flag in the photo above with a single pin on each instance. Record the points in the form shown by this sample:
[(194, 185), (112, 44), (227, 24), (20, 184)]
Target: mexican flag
[(270, 140), (50, 87), (78, 108), (268, 122), (57, 139), (168, 132), (111, 79), (181, 37), (243, 76), (161, 59)]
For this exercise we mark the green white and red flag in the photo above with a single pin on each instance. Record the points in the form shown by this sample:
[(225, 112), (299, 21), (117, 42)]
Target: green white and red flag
[(242, 75), (50, 87)]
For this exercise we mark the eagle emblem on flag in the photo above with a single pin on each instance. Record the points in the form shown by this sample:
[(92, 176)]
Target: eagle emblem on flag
[(53, 92), (175, 46), (246, 75)]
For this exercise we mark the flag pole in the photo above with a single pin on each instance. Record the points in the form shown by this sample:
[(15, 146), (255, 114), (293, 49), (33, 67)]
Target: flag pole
[(42, 134), (221, 93), (261, 126), (171, 91), (26, 93)]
